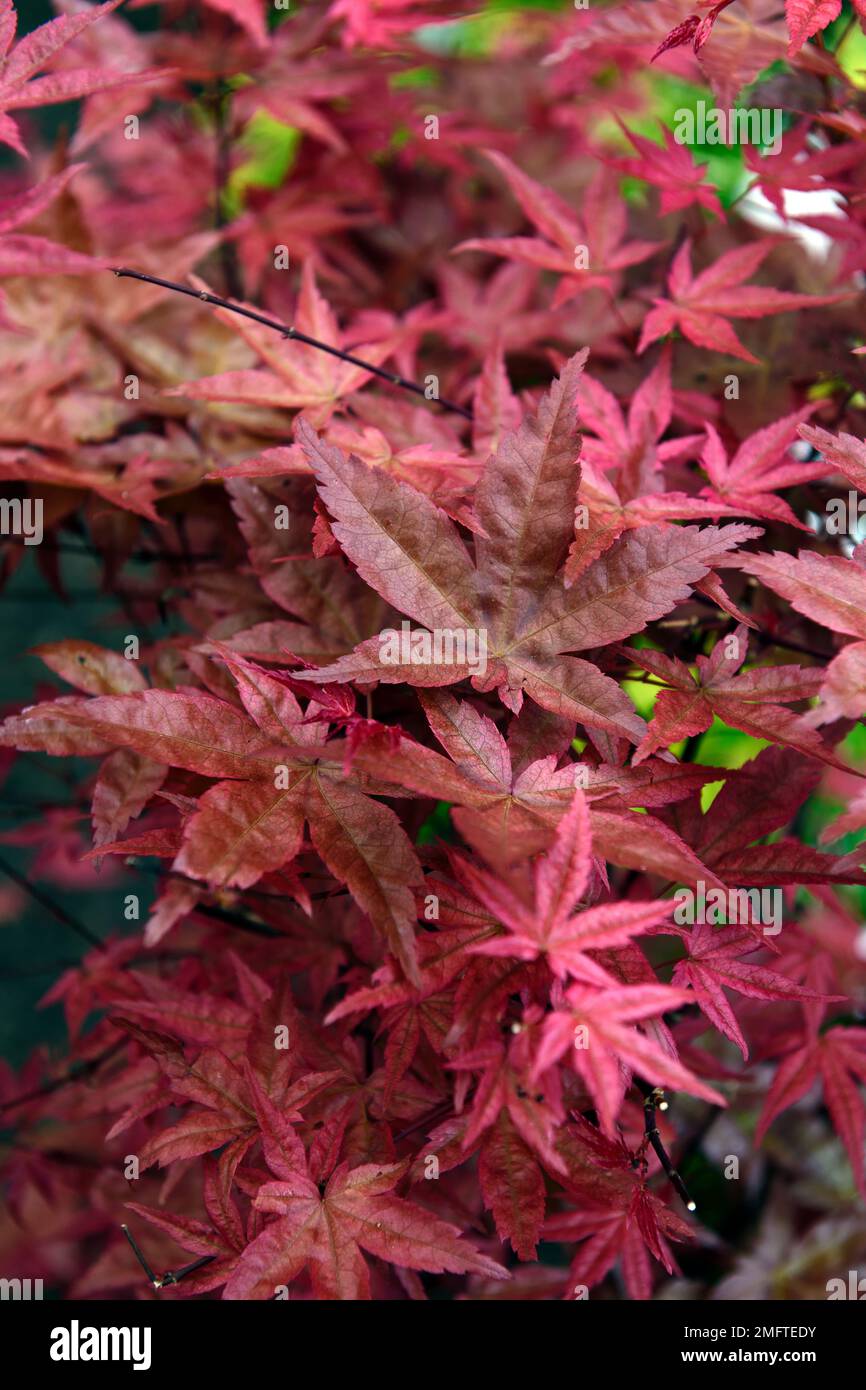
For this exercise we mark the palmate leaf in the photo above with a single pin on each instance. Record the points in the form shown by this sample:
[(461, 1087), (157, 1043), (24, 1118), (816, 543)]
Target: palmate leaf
[(701, 305), (671, 168), (760, 467), (628, 1231), (608, 1040), (508, 815), (357, 1211), (752, 701), (20, 87), (412, 554), (550, 926), (399, 945), (562, 233), (247, 825), (714, 963), (838, 1060)]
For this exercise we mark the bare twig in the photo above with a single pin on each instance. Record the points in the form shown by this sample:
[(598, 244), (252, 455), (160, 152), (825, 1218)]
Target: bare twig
[(57, 912), (295, 333), (654, 1099), (75, 1074), (140, 1256), (171, 1276), (139, 556), (221, 105)]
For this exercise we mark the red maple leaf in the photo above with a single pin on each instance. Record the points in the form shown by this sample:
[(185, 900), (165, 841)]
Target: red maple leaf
[(752, 701), (594, 1029), (670, 167), (714, 963), (584, 253), (327, 1231), (273, 777), (549, 926), (838, 1060), (761, 466), (637, 1226), (701, 305), (514, 593), (19, 64)]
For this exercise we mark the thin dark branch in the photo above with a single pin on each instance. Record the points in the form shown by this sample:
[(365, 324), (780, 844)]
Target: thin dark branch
[(140, 1256), (766, 639), (221, 104), (74, 1074), (236, 919), (432, 1118), (136, 862), (57, 912), (295, 333), (171, 1276), (174, 1276), (654, 1100), (34, 971), (87, 552)]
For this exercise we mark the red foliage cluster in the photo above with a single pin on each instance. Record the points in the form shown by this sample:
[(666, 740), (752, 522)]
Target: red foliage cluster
[(415, 977)]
